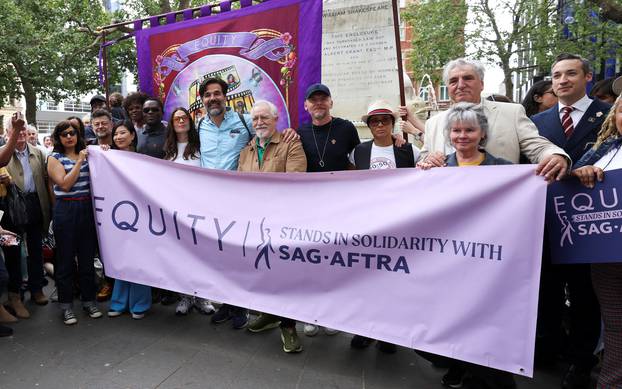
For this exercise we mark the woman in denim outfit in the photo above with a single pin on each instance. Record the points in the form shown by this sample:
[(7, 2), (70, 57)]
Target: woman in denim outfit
[(126, 295)]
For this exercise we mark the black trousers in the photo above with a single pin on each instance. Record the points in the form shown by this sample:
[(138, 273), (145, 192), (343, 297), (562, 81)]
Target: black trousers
[(13, 254), (583, 314)]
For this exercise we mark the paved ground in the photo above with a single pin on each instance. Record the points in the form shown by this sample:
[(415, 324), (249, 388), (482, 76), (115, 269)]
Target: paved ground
[(165, 351)]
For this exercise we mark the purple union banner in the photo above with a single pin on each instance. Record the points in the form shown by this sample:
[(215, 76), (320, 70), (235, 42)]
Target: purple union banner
[(455, 272)]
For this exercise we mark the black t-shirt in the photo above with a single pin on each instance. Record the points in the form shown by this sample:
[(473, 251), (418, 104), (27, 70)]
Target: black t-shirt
[(342, 140)]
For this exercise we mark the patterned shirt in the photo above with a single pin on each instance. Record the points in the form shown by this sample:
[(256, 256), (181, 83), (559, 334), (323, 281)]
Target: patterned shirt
[(82, 187)]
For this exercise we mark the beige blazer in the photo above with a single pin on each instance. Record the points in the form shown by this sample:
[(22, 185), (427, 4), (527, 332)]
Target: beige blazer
[(39, 171), (510, 133)]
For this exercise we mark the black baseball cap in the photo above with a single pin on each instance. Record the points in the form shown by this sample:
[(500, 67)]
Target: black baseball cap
[(97, 98), (317, 88)]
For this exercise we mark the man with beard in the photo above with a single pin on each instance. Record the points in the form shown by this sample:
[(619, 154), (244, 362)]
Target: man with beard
[(101, 120), (223, 133), (97, 102), (327, 140), (151, 139)]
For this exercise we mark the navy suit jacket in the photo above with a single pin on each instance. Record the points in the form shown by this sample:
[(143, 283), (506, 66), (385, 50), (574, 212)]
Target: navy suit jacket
[(550, 126)]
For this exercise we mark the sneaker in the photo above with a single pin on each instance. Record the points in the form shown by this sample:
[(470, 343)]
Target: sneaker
[(387, 348), (311, 329), (69, 317), (203, 306), (239, 319), (330, 331), (264, 322), (112, 313), (289, 337), (92, 311), (184, 306), (360, 342), (138, 315), (454, 376), (105, 292), (222, 314), (5, 331)]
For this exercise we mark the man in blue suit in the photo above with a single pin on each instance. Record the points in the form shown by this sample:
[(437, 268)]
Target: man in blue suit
[(572, 124)]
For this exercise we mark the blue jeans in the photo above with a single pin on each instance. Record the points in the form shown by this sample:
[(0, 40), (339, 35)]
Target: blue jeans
[(74, 232), (130, 296)]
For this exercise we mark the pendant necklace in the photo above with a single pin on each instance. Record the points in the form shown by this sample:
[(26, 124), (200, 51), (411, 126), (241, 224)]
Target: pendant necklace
[(325, 143)]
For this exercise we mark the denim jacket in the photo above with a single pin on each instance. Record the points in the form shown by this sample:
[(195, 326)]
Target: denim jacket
[(593, 155)]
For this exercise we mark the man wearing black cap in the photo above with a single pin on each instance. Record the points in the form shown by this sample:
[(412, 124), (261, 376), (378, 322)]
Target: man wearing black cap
[(327, 140), (97, 102)]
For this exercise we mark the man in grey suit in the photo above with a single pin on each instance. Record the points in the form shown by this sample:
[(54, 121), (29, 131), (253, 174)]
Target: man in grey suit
[(510, 134)]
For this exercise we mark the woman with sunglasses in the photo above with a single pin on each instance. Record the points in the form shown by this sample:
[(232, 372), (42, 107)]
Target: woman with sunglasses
[(74, 226), (126, 295), (182, 146)]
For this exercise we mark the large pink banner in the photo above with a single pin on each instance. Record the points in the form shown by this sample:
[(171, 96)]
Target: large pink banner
[(446, 261)]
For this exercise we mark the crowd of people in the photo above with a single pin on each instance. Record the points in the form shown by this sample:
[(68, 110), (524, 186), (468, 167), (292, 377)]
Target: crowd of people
[(561, 129)]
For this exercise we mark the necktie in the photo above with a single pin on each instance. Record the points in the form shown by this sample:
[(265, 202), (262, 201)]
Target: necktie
[(567, 121)]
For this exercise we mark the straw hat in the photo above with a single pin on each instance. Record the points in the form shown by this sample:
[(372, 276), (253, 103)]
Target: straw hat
[(380, 107), (617, 86)]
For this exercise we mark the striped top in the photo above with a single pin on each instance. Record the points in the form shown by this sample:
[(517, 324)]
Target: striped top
[(82, 187)]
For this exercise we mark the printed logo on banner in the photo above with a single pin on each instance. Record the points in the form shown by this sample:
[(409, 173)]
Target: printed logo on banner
[(244, 79), (583, 222)]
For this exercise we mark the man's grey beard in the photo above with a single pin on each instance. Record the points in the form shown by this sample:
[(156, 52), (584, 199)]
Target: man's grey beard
[(216, 111)]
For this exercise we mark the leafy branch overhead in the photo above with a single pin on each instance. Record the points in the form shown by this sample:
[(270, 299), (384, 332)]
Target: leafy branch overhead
[(502, 31)]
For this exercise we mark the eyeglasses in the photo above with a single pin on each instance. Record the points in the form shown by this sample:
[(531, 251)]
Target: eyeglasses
[(68, 134), (180, 119), (551, 92), (148, 110), (379, 122)]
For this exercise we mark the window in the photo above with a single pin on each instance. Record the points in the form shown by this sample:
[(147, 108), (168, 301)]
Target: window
[(50, 105), (77, 106), (45, 126), (424, 94), (443, 93)]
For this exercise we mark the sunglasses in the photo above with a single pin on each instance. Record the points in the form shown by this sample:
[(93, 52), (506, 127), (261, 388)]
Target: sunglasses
[(68, 134), (148, 110), (180, 119), (379, 122)]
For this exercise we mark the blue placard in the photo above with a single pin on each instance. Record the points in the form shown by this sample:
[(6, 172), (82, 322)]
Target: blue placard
[(585, 225)]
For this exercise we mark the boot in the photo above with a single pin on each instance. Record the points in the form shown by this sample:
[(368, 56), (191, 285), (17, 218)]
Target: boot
[(15, 302), (6, 317)]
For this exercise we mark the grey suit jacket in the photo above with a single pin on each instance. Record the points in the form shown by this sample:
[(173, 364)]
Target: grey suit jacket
[(510, 133)]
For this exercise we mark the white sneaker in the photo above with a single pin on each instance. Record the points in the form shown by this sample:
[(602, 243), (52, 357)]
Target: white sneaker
[(114, 313), (330, 331), (184, 305), (203, 306), (138, 316), (311, 329)]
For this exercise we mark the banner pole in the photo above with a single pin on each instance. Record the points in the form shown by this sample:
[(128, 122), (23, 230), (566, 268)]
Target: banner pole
[(398, 49), (105, 68)]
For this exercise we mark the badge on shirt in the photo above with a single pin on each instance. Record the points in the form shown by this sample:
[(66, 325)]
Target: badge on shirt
[(333, 141)]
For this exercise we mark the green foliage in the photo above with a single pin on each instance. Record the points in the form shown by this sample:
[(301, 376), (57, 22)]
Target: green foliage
[(45, 51), (501, 31), (438, 34)]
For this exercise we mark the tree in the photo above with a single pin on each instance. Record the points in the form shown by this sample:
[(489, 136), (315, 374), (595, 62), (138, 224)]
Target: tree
[(610, 9), (504, 30), (44, 53), (438, 34)]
